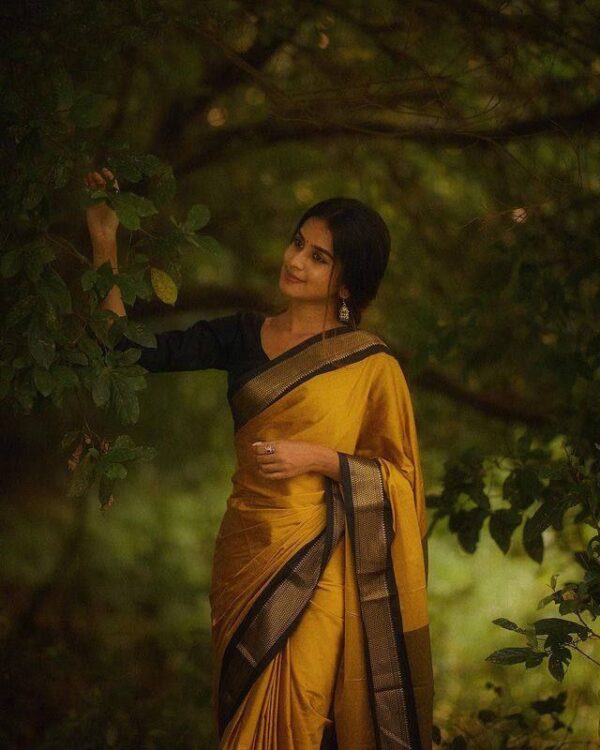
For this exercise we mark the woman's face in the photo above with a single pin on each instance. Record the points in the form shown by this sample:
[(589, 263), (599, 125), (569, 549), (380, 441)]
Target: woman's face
[(309, 257)]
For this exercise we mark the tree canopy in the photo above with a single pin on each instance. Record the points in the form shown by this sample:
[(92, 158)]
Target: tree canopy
[(471, 126)]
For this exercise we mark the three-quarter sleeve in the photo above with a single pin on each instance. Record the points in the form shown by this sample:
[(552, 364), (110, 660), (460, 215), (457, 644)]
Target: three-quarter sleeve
[(204, 345)]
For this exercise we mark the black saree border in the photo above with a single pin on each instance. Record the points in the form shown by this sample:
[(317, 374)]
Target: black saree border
[(239, 669), (263, 386), (369, 517), (268, 363)]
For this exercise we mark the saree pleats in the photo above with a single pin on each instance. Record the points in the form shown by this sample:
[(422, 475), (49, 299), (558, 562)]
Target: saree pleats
[(319, 588)]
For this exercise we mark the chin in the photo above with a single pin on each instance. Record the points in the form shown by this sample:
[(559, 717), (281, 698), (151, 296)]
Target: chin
[(287, 287)]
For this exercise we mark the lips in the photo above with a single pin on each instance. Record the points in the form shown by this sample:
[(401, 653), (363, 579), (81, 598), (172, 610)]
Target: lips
[(291, 276)]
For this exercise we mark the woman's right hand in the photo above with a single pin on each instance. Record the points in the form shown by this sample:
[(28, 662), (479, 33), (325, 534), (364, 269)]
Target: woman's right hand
[(102, 220)]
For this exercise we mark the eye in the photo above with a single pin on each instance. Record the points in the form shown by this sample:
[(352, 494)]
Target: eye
[(297, 239), (316, 252)]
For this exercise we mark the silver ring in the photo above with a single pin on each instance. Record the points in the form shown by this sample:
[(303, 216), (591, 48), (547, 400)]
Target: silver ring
[(269, 449)]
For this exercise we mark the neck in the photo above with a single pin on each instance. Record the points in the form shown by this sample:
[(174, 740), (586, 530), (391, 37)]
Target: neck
[(305, 317)]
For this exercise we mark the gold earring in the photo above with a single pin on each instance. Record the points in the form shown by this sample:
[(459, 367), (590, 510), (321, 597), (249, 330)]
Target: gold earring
[(344, 312)]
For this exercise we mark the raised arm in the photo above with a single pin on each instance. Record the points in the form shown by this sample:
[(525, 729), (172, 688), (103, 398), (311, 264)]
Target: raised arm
[(206, 344), (102, 224)]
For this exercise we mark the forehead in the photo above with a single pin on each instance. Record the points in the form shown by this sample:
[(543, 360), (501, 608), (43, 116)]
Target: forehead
[(316, 231)]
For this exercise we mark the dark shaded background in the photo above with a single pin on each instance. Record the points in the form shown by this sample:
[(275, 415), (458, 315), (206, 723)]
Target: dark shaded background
[(473, 128)]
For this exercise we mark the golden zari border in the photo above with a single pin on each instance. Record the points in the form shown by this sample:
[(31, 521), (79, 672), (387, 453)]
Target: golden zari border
[(273, 382), (276, 612), (369, 519)]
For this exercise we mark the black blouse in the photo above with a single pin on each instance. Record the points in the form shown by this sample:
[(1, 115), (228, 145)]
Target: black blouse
[(230, 343)]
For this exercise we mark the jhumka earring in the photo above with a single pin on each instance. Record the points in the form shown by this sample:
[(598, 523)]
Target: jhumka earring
[(344, 312)]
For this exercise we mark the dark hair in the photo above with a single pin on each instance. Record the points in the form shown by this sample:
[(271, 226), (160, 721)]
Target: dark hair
[(361, 243)]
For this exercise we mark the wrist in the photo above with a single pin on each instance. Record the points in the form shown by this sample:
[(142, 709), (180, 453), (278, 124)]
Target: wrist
[(105, 242), (326, 461), (317, 463)]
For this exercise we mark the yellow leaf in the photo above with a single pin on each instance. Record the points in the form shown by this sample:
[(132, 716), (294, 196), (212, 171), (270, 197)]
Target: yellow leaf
[(163, 285)]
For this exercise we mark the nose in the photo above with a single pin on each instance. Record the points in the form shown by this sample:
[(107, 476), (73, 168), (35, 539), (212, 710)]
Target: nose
[(296, 264)]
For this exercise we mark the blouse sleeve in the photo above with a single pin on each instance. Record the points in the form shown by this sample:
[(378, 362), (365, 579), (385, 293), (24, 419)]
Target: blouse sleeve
[(204, 345)]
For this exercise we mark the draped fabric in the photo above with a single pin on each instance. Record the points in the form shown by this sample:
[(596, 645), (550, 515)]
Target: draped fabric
[(319, 587)]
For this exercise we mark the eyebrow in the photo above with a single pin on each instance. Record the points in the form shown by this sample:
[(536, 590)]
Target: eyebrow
[(316, 247)]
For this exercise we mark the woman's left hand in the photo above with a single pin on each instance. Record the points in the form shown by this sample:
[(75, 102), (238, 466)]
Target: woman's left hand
[(291, 458)]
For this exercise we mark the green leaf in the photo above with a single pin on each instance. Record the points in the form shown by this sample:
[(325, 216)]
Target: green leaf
[(502, 525), (198, 216), (139, 334), (130, 207), (145, 453), (55, 291), (83, 476), (552, 705), (43, 381), (203, 242), (75, 357), (508, 624), (533, 542), (151, 165), (162, 188), (124, 400), (163, 285), (546, 600), (105, 491), (123, 449), (555, 667), (33, 196), (89, 347), (467, 525), (88, 279), (561, 628), (41, 346), (25, 394), (101, 389), (124, 358), (127, 214), (116, 471), (69, 438), (127, 287), (37, 255), (21, 310), (509, 655), (11, 263), (535, 659), (550, 512), (64, 376)]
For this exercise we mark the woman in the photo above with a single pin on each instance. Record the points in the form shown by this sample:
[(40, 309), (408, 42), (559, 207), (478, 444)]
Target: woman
[(319, 584)]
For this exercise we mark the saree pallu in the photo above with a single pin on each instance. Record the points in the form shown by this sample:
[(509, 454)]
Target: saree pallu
[(320, 624)]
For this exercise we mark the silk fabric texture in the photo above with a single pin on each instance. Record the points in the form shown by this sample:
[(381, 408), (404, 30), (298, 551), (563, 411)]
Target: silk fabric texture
[(320, 626)]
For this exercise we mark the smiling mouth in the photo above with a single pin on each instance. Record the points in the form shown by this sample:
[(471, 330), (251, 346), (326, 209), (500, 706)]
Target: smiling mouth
[(291, 276)]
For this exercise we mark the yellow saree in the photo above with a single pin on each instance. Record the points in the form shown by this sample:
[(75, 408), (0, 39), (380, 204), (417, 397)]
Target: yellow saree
[(319, 588)]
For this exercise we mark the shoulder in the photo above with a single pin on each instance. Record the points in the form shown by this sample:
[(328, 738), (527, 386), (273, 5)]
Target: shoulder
[(384, 363), (383, 346)]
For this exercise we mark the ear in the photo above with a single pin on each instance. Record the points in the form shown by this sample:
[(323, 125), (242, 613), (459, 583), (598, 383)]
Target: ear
[(343, 291)]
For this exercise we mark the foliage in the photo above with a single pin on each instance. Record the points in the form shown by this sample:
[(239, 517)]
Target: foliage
[(55, 339), (537, 726), (476, 138)]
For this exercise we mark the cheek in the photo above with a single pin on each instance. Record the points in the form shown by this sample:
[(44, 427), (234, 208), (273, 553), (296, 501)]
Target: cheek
[(323, 273)]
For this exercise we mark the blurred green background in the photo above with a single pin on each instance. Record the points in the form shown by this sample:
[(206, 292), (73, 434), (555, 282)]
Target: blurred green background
[(472, 127)]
